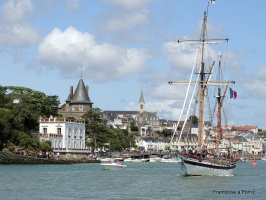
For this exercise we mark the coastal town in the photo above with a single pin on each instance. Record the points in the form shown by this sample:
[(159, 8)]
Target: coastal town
[(68, 136), (132, 99)]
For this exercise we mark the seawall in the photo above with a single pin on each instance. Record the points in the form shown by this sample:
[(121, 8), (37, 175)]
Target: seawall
[(10, 159)]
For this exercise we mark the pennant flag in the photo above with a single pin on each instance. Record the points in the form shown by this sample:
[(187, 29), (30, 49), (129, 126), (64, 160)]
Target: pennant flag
[(233, 94), (212, 1)]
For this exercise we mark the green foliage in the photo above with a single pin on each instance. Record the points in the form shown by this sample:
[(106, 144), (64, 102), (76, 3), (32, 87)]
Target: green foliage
[(134, 128), (6, 150), (46, 146), (94, 115), (193, 119), (19, 118), (27, 141), (101, 134), (20, 109), (166, 132)]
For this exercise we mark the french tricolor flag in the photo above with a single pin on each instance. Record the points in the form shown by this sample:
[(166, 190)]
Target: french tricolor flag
[(233, 94)]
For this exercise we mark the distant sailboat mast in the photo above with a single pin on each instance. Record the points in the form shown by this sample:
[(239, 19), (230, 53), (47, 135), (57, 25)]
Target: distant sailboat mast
[(220, 100)]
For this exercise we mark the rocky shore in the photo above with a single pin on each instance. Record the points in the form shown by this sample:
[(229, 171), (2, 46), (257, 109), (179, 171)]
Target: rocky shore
[(10, 159)]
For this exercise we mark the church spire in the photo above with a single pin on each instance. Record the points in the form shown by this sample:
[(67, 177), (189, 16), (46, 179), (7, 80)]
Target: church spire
[(141, 99), (141, 102)]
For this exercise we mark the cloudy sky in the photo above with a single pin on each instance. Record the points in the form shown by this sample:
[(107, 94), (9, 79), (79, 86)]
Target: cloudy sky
[(124, 46)]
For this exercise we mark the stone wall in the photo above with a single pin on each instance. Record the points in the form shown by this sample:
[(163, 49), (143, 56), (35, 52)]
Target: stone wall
[(9, 158)]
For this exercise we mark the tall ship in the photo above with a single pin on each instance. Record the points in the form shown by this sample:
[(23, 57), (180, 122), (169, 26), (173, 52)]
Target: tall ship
[(207, 159)]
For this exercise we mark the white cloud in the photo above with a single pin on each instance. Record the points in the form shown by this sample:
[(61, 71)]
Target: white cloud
[(17, 35), (14, 29), (71, 49), (255, 85), (16, 11), (126, 22)]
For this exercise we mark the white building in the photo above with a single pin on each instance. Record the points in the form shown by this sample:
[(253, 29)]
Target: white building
[(66, 136)]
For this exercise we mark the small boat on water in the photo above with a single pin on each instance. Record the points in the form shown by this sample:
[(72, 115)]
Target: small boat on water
[(170, 160), (128, 160), (110, 159), (140, 160), (263, 158), (113, 166), (105, 159), (155, 159), (242, 159)]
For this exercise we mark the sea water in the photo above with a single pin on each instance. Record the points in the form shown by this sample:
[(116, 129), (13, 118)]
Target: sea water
[(139, 181)]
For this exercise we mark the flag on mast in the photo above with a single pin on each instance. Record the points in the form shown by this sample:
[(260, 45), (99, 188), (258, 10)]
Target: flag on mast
[(212, 1), (233, 94)]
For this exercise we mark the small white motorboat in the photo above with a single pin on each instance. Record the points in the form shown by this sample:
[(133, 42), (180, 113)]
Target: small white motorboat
[(128, 160), (105, 159), (263, 158), (113, 166), (170, 160)]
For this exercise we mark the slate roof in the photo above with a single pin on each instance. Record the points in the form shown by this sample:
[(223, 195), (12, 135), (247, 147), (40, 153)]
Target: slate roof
[(240, 138), (111, 115), (80, 95)]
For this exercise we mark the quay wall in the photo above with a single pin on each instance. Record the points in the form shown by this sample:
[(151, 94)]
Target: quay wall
[(9, 158)]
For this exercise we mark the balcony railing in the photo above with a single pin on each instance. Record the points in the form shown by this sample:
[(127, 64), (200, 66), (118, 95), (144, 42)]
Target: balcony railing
[(70, 150), (61, 120), (50, 135)]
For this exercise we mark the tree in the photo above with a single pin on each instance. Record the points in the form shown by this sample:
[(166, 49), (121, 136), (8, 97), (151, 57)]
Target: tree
[(134, 128), (46, 146), (20, 109), (167, 132), (193, 119), (99, 134)]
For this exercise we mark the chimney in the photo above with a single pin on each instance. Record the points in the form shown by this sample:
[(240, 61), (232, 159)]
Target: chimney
[(87, 89), (71, 92)]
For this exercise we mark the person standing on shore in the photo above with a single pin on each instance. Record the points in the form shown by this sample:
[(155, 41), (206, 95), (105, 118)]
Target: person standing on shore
[(58, 154)]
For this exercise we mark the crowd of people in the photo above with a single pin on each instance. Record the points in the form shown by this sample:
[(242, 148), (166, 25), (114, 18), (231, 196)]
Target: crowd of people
[(204, 155), (37, 153)]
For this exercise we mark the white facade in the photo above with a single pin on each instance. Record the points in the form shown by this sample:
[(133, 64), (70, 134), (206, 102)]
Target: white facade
[(65, 135)]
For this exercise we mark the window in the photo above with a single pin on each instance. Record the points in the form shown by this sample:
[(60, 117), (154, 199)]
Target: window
[(58, 130), (80, 107), (45, 130), (80, 133)]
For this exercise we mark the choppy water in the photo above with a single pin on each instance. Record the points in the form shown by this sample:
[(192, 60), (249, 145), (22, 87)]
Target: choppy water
[(140, 181)]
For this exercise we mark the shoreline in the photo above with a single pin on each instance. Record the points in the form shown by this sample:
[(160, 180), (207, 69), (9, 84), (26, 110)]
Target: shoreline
[(11, 159)]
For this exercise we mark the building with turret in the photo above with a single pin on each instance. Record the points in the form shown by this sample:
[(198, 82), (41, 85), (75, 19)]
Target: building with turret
[(78, 102)]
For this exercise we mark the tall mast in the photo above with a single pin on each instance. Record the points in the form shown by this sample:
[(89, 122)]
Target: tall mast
[(219, 121), (203, 83), (220, 99), (202, 80)]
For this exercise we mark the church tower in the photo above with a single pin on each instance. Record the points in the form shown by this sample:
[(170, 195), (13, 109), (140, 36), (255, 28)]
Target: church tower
[(142, 114), (141, 103)]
